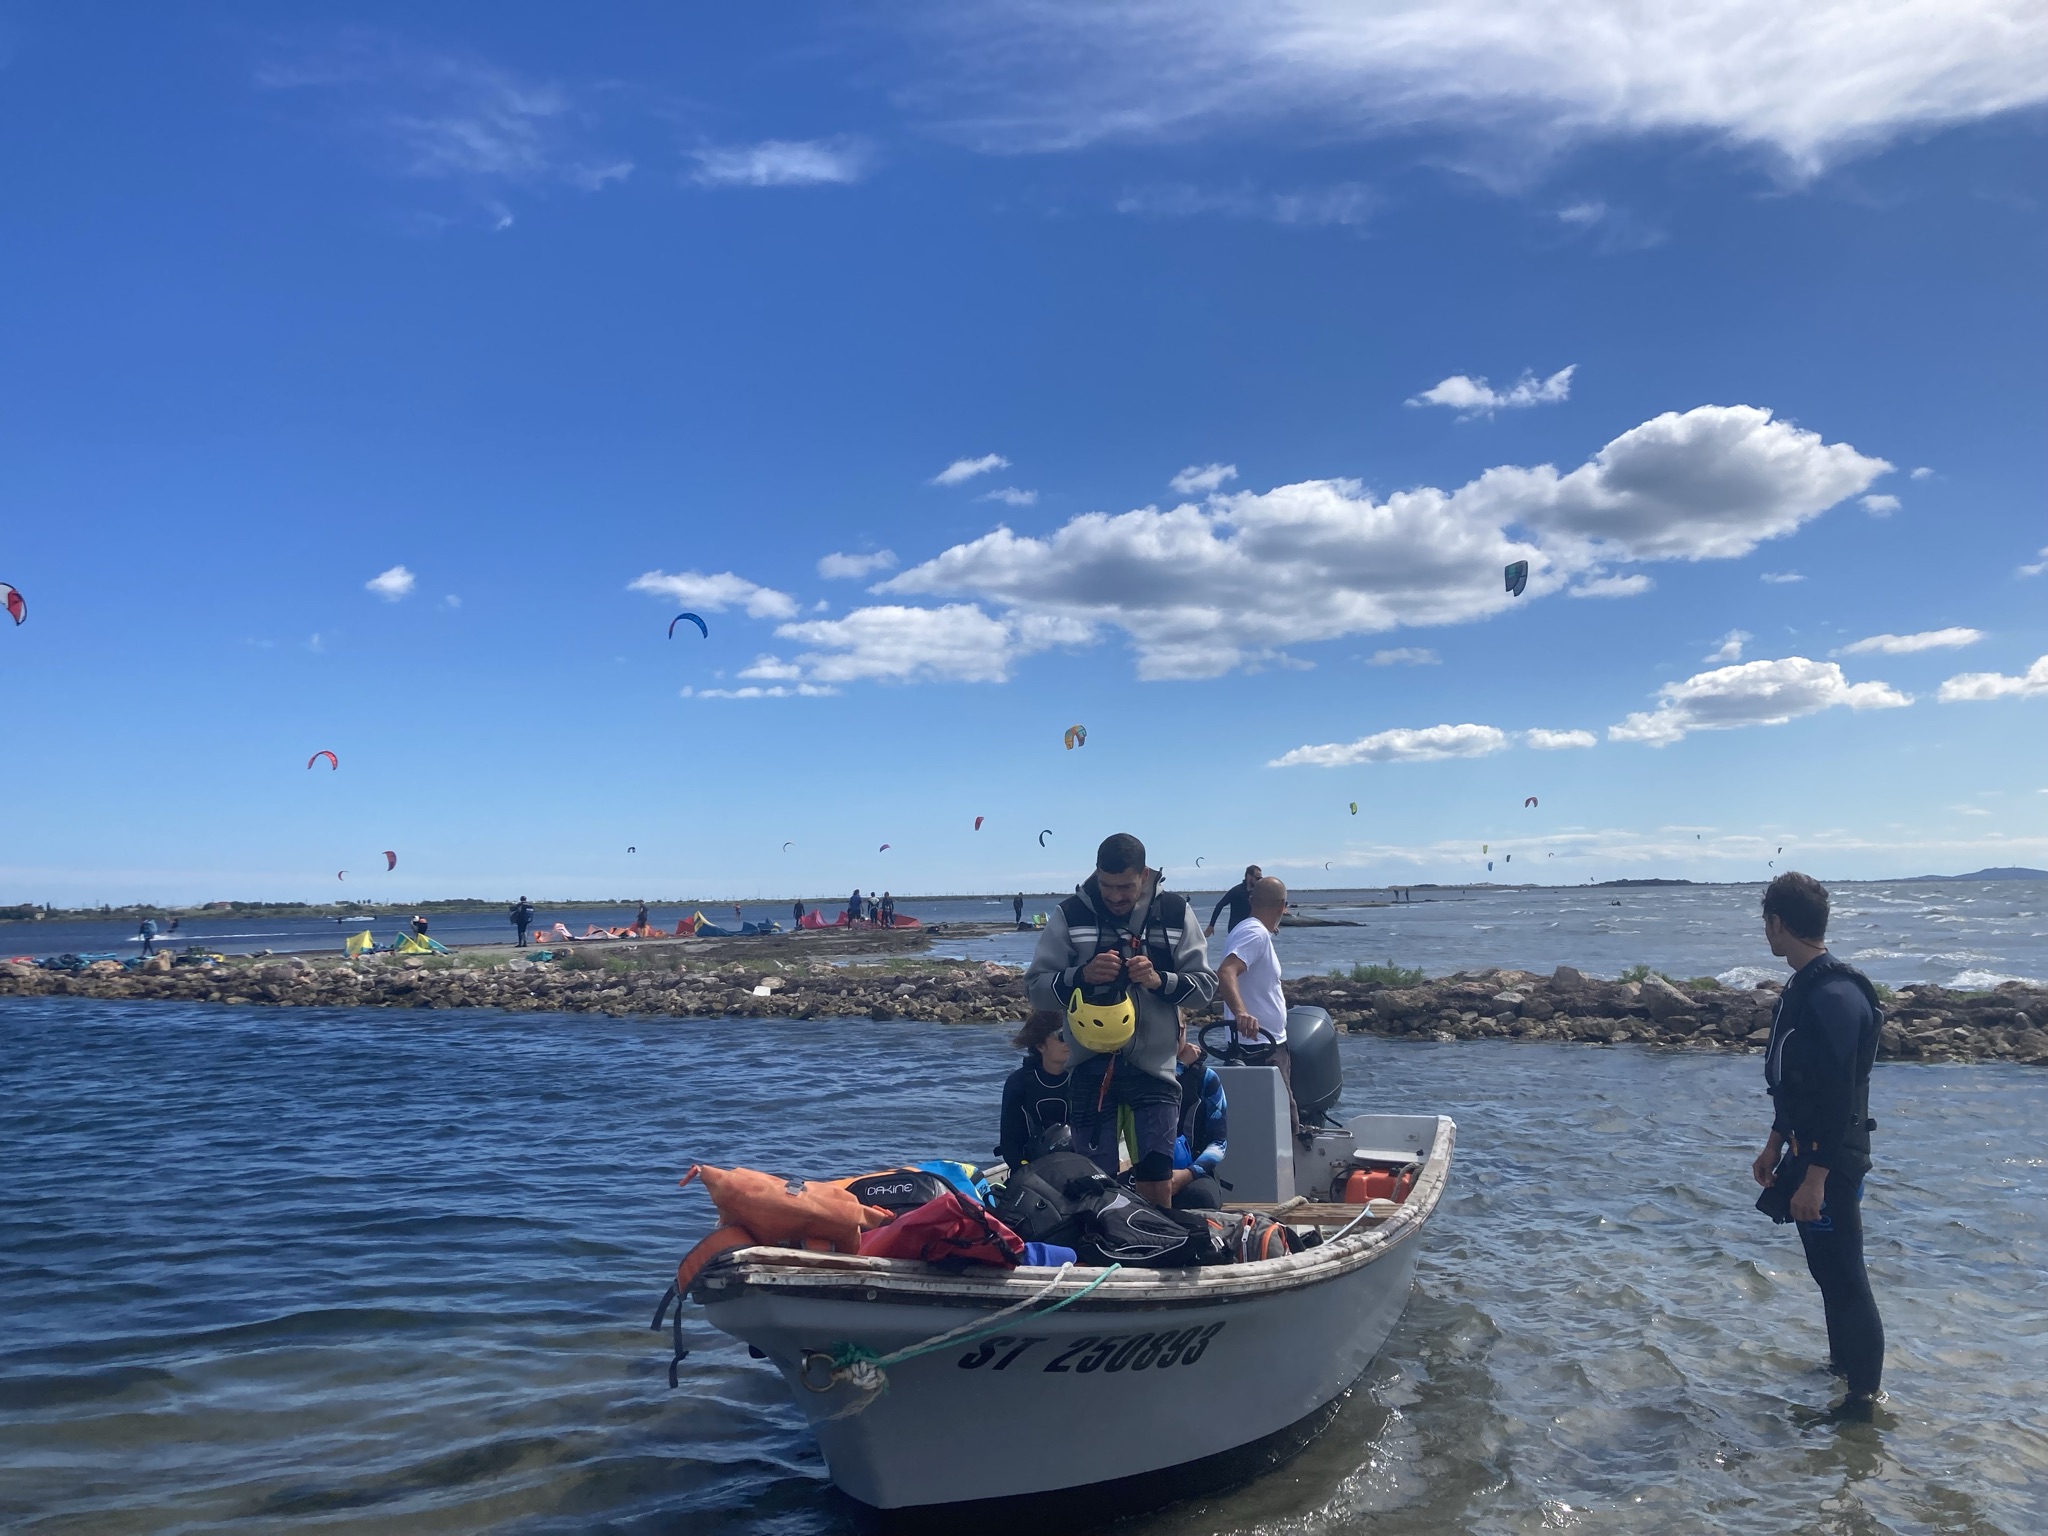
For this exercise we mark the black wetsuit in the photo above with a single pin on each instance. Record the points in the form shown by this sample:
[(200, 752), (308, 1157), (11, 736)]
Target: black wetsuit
[(1239, 899), (1019, 905), (1823, 1041), (522, 919), (1033, 1099)]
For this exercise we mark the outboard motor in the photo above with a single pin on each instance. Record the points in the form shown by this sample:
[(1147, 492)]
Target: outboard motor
[(1317, 1070)]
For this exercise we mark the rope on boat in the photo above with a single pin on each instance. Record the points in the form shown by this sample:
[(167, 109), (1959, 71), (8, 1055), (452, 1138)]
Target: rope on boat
[(867, 1372)]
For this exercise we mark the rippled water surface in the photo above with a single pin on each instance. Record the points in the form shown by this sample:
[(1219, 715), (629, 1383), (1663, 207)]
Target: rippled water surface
[(364, 1270), (1972, 933)]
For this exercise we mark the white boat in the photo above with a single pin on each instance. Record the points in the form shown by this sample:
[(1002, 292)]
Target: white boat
[(1141, 1380)]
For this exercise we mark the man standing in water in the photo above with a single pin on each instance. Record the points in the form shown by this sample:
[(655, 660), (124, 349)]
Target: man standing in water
[(1120, 958), (1817, 1067), (1238, 899)]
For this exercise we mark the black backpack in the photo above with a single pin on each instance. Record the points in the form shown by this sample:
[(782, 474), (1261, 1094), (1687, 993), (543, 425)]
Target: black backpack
[(1049, 1199), (899, 1189), (1137, 1234)]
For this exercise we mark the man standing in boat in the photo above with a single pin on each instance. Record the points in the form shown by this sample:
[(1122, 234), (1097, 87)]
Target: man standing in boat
[(1248, 978), (1119, 958), (1824, 1038)]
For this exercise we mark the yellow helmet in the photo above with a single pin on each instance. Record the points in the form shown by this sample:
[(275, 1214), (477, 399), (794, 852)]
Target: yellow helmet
[(1101, 1027)]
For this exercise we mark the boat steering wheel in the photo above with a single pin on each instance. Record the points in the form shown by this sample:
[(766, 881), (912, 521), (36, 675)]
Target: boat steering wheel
[(1237, 1051)]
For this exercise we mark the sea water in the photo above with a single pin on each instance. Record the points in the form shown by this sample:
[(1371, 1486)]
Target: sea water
[(1957, 933), (272, 1269)]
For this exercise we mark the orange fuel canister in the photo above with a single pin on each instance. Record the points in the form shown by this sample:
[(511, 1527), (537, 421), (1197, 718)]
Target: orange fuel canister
[(1369, 1184)]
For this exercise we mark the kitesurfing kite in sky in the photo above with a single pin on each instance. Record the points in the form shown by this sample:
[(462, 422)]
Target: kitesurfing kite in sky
[(1043, 836), (632, 850), (978, 821), (1077, 736), (17, 606), (390, 861), (1528, 802), (1518, 577), (787, 846), (333, 762), (883, 849), (341, 874), (702, 628), (1354, 807)]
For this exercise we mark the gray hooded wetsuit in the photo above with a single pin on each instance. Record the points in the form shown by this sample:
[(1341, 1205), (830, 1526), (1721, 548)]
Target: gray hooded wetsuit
[(1183, 964)]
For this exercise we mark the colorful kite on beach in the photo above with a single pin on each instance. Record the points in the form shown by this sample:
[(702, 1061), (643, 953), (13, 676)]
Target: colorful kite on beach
[(333, 762), (978, 821), (1043, 836), (390, 861), (1518, 577), (17, 606), (702, 628), (1077, 736)]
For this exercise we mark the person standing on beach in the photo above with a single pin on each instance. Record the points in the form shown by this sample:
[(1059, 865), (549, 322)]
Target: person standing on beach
[(1824, 1038), (149, 935), (797, 913), (885, 914), (522, 919), (1121, 957), (1248, 981), (1238, 899), (1019, 905)]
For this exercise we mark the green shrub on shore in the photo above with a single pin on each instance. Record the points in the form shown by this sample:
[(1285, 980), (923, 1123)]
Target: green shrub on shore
[(1387, 975)]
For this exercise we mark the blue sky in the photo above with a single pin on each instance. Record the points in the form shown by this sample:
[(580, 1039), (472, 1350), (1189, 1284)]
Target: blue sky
[(1255, 340)]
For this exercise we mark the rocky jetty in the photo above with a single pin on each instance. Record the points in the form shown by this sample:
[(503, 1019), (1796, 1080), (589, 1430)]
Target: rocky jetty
[(1923, 1023)]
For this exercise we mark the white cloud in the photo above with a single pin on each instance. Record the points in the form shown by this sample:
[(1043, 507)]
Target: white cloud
[(1613, 586), (1975, 687), (1922, 473), (838, 567), (800, 691), (1559, 741), (693, 589), (393, 584), (1902, 645), (783, 163), (1811, 83), (1780, 578), (1202, 589), (451, 601), (1880, 506), (1475, 397), (1404, 656), (2037, 568), (1345, 203), (1731, 646), (962, 470), (956, 643), (1201, 479), (1753, 693), (452, 118), (1010, 496), (1429, 744)]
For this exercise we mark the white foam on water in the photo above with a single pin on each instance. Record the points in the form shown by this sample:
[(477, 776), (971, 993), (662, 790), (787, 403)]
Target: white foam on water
[(1744, 977), (1984, 981)]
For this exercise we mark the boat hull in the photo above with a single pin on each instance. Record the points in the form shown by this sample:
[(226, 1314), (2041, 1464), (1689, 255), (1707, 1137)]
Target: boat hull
[(1097, 1392)]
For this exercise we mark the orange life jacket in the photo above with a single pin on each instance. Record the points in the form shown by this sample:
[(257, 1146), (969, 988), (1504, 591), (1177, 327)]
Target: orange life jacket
[(788, 1213)]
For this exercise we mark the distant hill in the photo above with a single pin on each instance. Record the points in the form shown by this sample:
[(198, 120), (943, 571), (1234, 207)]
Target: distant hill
[(2012, 873)]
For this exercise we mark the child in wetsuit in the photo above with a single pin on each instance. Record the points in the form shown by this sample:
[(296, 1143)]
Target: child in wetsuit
[(1035, 1095)]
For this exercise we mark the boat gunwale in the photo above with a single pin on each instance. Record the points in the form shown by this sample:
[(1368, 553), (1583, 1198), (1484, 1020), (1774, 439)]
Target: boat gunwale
[(796, 1273)]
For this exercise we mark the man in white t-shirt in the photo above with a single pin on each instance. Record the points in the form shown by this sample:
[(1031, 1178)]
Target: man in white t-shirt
[(1248, 981)]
